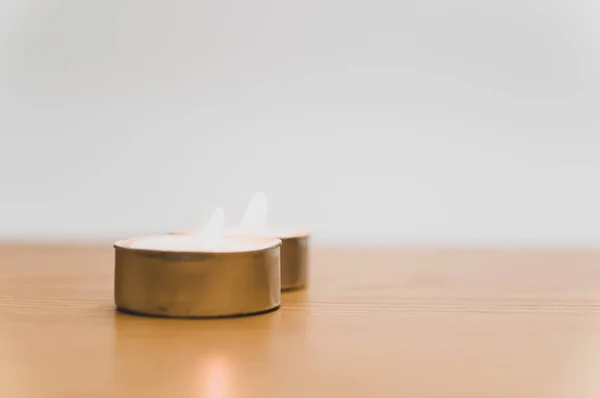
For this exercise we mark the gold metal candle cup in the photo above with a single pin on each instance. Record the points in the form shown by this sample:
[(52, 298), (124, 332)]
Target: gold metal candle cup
[(294, 262), (294, 258), (197, 284)]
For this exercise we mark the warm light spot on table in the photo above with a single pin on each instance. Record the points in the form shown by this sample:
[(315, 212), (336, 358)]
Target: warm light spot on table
[(212, 378)]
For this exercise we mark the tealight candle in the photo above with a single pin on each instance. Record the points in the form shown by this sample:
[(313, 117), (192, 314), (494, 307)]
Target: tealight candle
[(294, 248), (197, 276), (294, 255)]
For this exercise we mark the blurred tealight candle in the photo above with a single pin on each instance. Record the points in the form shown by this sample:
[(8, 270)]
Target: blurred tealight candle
[(294, 247), (207, 275)]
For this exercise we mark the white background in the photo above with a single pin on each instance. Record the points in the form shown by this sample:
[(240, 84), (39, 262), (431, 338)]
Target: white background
[(391, 122)]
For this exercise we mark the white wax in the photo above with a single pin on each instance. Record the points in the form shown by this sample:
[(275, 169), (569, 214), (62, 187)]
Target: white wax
[(194, 243), (237, 232), (267, 232)]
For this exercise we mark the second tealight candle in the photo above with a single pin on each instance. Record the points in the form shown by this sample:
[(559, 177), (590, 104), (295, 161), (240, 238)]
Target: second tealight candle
[(294, 247)]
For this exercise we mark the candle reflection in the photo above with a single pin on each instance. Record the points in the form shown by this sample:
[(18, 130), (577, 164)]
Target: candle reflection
[(590, 371), (212, 378)]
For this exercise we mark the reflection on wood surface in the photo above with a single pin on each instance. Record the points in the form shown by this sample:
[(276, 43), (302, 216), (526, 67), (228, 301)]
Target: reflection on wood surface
[(418, 323)]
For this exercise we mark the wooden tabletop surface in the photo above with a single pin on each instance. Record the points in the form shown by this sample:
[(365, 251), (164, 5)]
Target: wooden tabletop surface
[(406, 323)]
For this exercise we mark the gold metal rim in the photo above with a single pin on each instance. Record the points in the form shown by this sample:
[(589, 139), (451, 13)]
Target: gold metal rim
[(197, 285), (141, 314)]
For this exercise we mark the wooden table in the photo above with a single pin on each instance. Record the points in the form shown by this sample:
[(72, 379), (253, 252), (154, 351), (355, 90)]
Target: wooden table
[(409, 323)]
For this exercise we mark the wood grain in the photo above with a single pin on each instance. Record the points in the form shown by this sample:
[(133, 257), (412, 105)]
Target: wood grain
[(414, 323)]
